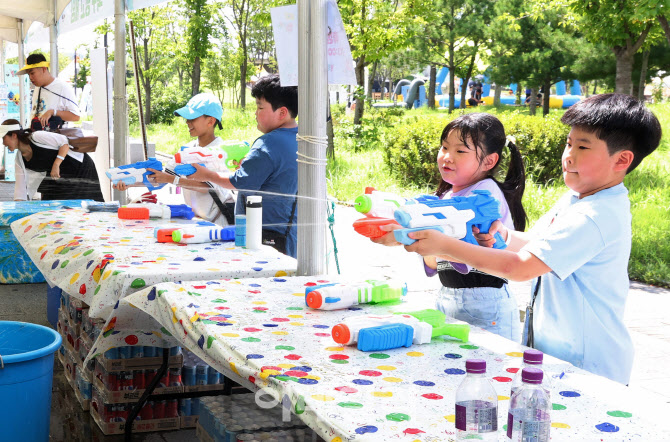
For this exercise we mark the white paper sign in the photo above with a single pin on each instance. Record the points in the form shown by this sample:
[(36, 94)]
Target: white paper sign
[(285, 30)]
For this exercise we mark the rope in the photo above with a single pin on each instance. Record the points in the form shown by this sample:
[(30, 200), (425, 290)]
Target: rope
[(318, 141), (331, 223)]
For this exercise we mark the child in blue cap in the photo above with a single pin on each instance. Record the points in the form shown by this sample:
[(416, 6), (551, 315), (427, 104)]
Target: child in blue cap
[(209, 201)]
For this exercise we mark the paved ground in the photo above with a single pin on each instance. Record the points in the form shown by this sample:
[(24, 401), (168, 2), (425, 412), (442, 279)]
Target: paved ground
[(646, 316)]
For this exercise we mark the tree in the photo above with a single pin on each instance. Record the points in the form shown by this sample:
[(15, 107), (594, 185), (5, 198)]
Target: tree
[(622, 25), (198, 31), (376, 28), (152, 52)]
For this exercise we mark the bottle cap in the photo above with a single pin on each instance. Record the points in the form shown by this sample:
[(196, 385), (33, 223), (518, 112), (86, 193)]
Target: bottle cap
[(532, 375), (532, 356), (475, 366)]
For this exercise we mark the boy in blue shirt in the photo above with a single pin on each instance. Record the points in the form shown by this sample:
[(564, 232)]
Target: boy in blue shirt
[(270, 169), (579, 250)]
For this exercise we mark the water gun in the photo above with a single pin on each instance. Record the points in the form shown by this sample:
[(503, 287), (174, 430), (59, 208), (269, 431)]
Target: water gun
[(198, 235), (379, 208), (236, 151), (454, 217), (136, 172), (337, 296), (146, 211), (204, 156), (164, 234), (384, 332)]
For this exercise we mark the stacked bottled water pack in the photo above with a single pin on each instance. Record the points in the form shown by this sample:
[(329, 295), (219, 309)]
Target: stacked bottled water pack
[(238, 418)]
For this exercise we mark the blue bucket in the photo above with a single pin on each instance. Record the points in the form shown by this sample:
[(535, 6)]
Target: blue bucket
[(26, 373)]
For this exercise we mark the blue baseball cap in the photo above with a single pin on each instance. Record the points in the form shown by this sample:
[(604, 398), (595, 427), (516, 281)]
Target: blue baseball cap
[(202, 104)]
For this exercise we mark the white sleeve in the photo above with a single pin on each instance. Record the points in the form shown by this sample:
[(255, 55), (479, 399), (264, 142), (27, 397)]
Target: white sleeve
[(49, 140)]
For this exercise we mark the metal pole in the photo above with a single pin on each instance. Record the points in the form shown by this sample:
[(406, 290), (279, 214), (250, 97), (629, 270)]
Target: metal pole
[(53, 40), (22, 89), (120, 156), (312, 89)]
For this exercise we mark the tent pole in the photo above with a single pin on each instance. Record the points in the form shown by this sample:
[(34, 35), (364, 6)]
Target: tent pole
[(22, 89), (53, 40), (312, 90), (120, 156)]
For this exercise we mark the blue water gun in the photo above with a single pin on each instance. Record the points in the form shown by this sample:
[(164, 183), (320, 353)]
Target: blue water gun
[(136, 172), (453, 216)]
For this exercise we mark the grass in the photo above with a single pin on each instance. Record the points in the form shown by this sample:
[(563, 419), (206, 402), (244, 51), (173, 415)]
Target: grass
[(352, 171)]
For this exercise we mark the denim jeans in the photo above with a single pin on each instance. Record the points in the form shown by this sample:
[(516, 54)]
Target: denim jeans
[(490, 308)]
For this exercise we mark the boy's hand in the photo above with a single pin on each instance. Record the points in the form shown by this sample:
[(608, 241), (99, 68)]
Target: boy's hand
[(429, 242), (202, 173), (120, 186), (487, 239), (389, 238)]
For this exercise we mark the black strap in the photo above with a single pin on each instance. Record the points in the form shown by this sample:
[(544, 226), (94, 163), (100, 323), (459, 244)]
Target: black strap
[(452, 278), (530, 341), (225, 210), (65, 98), (37, 108), (290, 220)]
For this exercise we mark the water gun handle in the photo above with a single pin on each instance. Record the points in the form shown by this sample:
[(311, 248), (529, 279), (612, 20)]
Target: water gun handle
[(401, 235), (500, 242), (370, 226), (186, 169), (181, 210), (385, 337)]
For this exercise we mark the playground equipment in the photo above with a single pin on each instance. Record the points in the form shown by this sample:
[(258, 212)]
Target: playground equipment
[(559, 101)]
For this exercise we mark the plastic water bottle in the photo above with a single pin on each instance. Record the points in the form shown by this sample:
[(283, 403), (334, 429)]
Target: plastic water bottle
[(254, 222), (529, 416), (476, 404), (531, 358)]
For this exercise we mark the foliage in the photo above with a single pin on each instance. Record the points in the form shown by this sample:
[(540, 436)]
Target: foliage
[(411, 150), (370, 134)]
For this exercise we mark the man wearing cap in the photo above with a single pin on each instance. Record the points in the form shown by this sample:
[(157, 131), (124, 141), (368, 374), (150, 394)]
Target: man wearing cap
[(52, 98)]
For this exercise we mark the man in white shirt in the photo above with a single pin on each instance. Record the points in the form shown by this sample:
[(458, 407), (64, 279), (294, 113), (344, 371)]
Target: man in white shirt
[(53, 100)]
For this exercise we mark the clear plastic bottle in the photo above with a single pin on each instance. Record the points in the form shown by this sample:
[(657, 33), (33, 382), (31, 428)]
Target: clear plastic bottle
[(529, 417), (476, 404), (531, 358)]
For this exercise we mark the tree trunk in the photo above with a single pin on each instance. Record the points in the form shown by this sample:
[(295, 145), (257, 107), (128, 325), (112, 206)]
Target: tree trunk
[(147, 103), (545, 97), (195, 84), (372, 73), (452, 69), (643, 75), (595, 87), (666, 27), (533, 99), (360, 80), (464, 91), (243, 81), (497, 94), (432, 86), (624, 70)]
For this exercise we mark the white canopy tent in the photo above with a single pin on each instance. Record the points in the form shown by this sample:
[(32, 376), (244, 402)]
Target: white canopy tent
[(15, 19)]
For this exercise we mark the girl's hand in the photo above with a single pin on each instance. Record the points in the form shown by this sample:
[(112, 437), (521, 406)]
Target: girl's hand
[(55, 171), (159, 177), (487, 239), (429, 242), (389, 238)]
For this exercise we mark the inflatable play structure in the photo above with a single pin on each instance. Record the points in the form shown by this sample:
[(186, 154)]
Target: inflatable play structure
[(413, 93), (559, 101)]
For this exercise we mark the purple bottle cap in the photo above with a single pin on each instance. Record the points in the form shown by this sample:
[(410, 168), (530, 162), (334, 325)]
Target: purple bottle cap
[(532, 375), (475, 366), (532, 356)]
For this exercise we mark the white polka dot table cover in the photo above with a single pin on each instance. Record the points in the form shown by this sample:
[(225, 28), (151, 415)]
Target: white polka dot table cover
[(99, 259), (261, 333)]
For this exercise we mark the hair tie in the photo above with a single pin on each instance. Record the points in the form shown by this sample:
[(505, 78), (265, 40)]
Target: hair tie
[(510, 139)]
